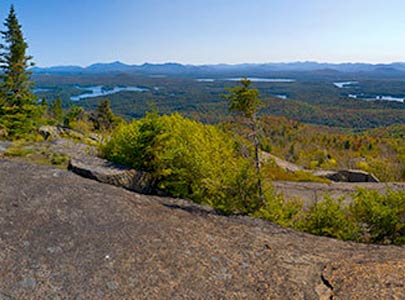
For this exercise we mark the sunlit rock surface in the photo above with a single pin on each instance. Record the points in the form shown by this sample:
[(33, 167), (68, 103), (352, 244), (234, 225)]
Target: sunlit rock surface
[(66, 237)]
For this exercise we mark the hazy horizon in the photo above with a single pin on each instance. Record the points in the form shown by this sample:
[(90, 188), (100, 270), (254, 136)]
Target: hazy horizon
[(199, 32), (216, 64)]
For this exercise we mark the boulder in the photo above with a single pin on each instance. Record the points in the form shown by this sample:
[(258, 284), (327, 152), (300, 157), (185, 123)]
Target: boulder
[(50, 132), (57, 132), (107, 172), (337, 176), (4, 146), (347, 176)]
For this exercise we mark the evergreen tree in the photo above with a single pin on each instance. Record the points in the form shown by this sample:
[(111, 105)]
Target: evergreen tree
[(74, 114), (56, 111), (246, 102), (19, 107), (44, 104), (104, 118)]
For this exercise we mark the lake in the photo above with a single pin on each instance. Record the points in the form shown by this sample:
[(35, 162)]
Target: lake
[(157, 76), (281, 96), (252, 79), (40, 90), (99, 90), (383, 98), (345, 84), (256, 79), (205, 80)]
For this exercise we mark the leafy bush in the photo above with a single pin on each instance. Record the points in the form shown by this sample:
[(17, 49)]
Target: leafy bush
[(188, 159), (328, 218), (380, 217), (284, 212), (203, 163), (371, 218)]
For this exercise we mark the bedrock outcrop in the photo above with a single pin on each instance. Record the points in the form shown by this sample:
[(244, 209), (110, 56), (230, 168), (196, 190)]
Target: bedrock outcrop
[(93, 167), (66, 237)]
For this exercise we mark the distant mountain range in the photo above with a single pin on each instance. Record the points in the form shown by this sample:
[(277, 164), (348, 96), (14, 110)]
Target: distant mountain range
[(264, 69)]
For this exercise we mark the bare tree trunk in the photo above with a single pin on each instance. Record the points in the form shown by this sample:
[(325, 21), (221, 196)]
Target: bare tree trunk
[(257, 160)]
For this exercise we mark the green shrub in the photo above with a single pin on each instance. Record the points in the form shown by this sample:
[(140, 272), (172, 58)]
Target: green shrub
[(372, 217), (19, 152), (188, 159), (284, 212), (203, 163), (58, 159), (328, 218), (380, 217)]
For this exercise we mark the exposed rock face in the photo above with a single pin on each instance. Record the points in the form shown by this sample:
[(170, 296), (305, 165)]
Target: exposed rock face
[(4, 146), (58, 132), (337, 176), (311, 192), (49, 132), (106, 172), (281, 163), (110, 173), (66, 237), (347, 176)]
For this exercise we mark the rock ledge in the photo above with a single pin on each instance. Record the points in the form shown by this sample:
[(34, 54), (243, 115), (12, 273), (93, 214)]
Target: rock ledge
[(107, 172)]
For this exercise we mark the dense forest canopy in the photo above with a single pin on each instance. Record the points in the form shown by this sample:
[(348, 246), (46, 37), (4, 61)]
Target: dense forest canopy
[(309, 100)]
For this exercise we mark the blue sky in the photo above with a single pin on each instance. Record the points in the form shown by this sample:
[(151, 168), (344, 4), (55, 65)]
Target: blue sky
[(81, 32)]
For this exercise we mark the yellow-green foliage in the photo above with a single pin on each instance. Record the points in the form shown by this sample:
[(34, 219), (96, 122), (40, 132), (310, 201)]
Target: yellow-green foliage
[(370, 218), (379, 151), (380, 218), (19, 152), (189, 160), (273, 172), (36, 153), (280, 210), (328, 218), (203, 163)]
